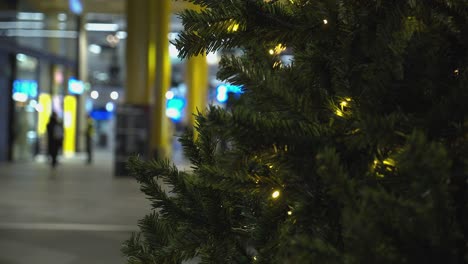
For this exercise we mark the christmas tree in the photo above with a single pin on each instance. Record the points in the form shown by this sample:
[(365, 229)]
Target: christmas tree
[(355, 152)]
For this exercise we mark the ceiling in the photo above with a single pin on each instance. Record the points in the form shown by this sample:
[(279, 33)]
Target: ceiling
[(93, 6)]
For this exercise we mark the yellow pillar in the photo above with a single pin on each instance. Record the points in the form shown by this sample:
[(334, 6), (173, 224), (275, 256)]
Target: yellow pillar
[(159, 75), (197, 86), (148, 66), (137, 91), (197, 82)]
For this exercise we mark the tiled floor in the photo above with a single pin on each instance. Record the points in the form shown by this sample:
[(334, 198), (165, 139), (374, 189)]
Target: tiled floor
[(74, 214)]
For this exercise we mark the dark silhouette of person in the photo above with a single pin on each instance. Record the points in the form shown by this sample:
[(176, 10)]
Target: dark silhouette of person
[(54, 137), (89, 138)]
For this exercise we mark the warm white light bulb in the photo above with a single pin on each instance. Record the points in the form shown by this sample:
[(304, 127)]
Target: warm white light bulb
[(325, 21), (275, 194)]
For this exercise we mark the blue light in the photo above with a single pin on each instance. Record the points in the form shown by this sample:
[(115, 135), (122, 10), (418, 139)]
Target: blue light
[(27, 87), (100, 114), (223, 90), (75, 86), (174, 108), (110, 107), (75, 6)]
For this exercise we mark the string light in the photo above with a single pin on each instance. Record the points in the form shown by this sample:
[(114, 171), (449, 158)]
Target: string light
[(233, 26), (339, 113), (325, 21), (277, 64), (389, 166), (456, 71), (277, 49), (389, 162), (343, 104), (255, 258), (275, 194), (289, 212)]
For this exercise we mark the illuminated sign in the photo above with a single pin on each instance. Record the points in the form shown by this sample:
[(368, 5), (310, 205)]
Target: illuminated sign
[(174, 108), (24, 89), (75, 86)]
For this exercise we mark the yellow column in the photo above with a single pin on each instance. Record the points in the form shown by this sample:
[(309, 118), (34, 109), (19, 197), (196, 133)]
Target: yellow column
[(69, 124), (197, 82), (197, 86), (148, 66), (137, 91), (160, 74)]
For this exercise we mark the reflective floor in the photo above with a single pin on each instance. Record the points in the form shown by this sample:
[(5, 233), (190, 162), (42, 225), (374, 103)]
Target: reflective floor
[(74, 214)]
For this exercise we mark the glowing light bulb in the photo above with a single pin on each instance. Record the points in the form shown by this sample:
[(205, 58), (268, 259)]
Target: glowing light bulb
[(339, 113), (255, 258), (271, 51), (275, 194), (169, 95), (279, 48), (375, 163), (389, 162), (233, 26), (289, 212), (114, 95), (343, 104), (325, 21), (456, 71), (94, 94)]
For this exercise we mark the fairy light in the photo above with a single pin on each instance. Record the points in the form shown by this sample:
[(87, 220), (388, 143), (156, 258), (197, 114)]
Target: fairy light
[(277, 49), (233, 26), (375, 163), (275, 194), (389, 162), (289, 212), (343, 104), (339, 113), (277, 64), (456, 71), (325, 21), (255, 258)]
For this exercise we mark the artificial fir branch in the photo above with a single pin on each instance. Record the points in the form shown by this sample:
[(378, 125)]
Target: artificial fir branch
[(353, 153)]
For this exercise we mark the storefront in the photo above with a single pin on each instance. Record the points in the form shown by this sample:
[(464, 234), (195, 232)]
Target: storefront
[(36, 68), (25, 91)]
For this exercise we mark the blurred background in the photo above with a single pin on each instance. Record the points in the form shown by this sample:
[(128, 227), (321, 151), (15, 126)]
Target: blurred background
[(112, 61)]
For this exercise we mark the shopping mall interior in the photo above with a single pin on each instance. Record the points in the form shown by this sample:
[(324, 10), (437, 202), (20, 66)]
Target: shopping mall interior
[(112, 61)]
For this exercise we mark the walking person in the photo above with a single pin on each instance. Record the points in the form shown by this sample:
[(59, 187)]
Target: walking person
[(54, 137), (89, 138)]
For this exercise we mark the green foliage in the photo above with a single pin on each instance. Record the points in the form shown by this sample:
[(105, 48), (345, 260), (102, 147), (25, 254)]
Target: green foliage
[(356, 152)]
